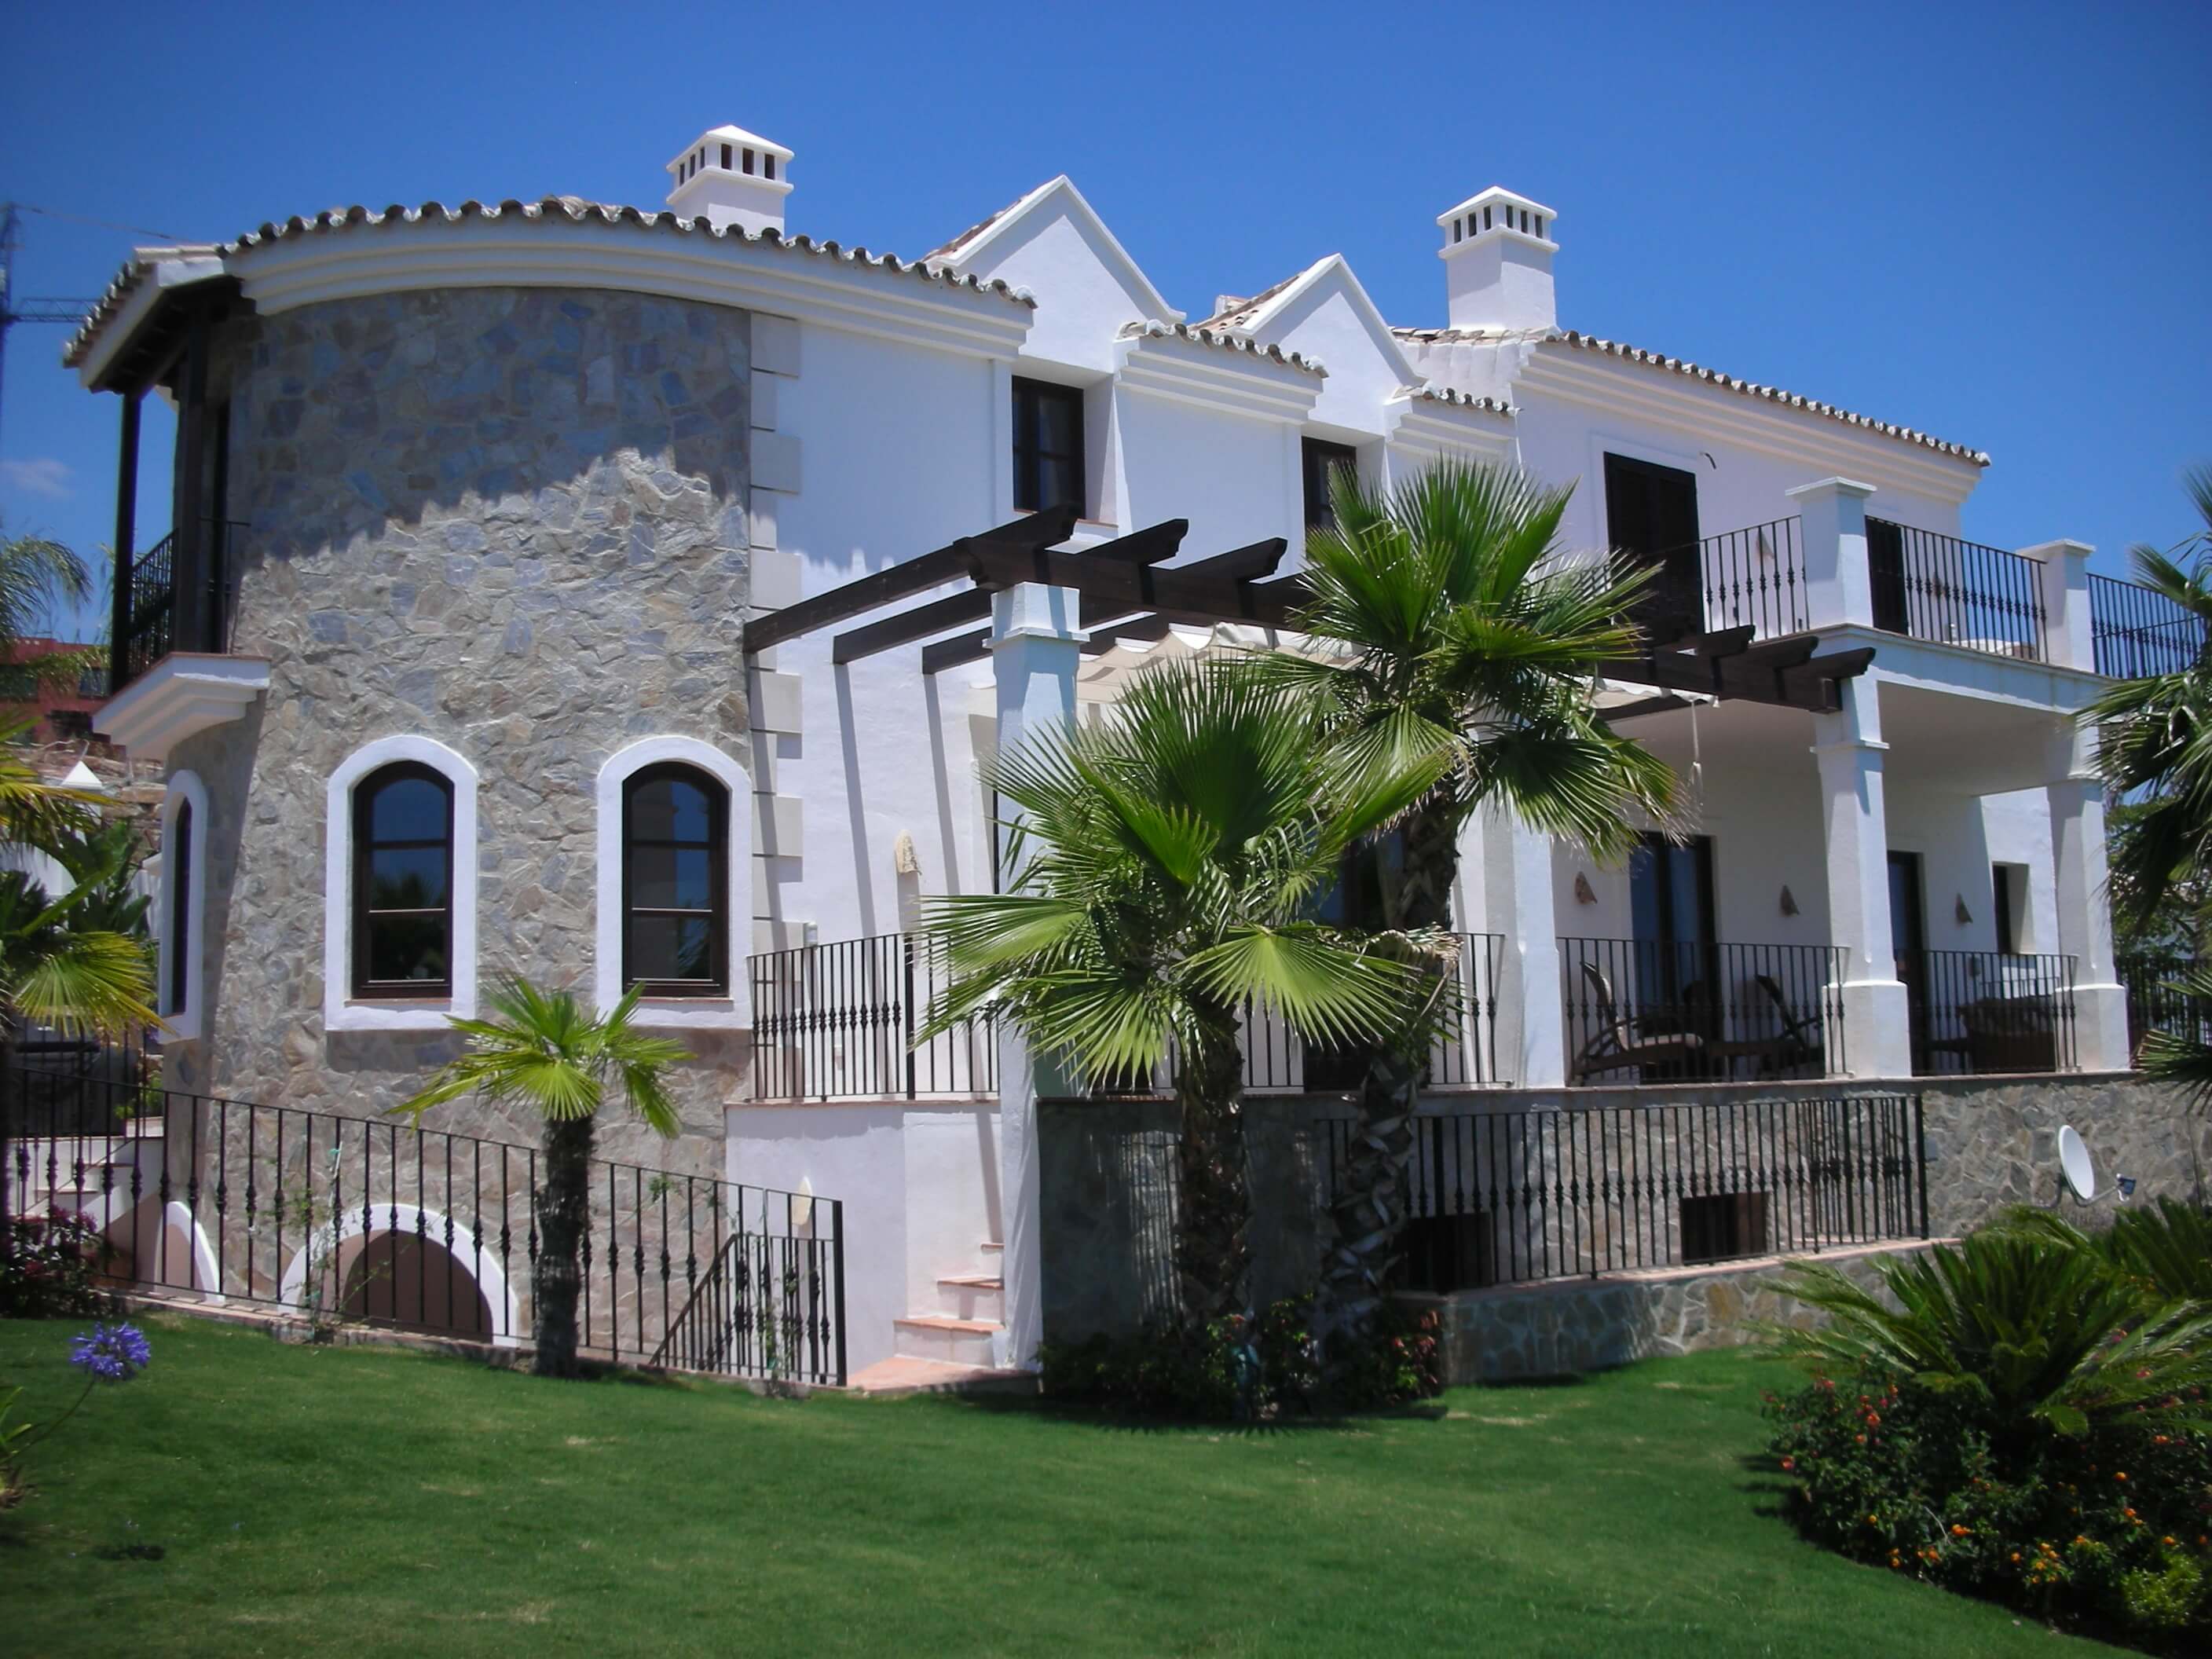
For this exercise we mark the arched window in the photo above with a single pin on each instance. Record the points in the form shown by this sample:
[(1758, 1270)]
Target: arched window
[(402, 882), (181, 988), (676, 882)]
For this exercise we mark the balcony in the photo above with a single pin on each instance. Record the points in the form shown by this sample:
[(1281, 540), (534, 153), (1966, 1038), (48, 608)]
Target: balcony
[(1977, 1012), (2137, 632), (1931, 586), (171, 666), (1659, 1011), (1755, 579)]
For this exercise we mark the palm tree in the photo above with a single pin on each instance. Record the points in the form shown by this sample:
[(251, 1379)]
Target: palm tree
[(2154, 752), (1468, 637), (36, 576), (1168, 861), (540, 1048), (78, 961)]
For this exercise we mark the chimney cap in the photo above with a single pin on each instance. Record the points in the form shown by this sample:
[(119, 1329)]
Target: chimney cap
[(1496, 195), (727, 134)]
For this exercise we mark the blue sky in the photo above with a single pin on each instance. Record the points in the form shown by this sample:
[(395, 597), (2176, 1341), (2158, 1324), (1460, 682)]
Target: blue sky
[(1987, 221)]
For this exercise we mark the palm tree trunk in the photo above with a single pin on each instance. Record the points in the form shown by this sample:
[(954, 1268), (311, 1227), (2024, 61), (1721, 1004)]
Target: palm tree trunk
[(1371, 1200), (1213, 1194), (564, 1211)]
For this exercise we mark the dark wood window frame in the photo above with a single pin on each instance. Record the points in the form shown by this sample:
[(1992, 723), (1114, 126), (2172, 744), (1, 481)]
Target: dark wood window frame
[(717, 983), (181, 876), (1030, 455), (363, 918), (1320, 458)]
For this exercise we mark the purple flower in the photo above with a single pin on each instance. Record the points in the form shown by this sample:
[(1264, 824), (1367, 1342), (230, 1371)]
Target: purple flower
[(113, 1353)]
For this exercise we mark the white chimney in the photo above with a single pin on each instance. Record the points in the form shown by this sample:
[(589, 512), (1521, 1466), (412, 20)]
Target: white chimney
[(1497, 261), (728, 176)]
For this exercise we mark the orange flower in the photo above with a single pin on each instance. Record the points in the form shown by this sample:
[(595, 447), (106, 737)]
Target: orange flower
[(1961, 1532)]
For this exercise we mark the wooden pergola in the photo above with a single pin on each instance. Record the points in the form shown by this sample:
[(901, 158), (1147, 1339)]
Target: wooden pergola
[(1125, 597)]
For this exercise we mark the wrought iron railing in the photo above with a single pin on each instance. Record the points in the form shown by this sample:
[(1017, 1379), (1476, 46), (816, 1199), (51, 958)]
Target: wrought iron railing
[(1755, 578), (422, 1230), (1932, 587), (2158, 1000), (1990, 1010), (155, 579), (1504, 1197), (1660, 1010), (840, 1022), (2137, 632), (1464, 1055)]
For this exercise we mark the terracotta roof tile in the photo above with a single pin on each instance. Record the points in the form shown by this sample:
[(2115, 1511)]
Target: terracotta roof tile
[(1199, 334), (573, 208), (1580, 342), (1432, 393)]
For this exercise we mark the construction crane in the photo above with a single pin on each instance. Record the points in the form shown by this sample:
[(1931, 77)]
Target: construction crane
[(41, 310)]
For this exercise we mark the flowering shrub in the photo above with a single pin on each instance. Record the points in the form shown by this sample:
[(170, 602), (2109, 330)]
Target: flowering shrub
[(46, 1266), (1244, 1370), (111, 1353), (2110, 1527)]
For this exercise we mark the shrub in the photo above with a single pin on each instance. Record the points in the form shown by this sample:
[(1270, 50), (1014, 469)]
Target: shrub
[(1243, 1370), (47, 1265), (2112, 1525)]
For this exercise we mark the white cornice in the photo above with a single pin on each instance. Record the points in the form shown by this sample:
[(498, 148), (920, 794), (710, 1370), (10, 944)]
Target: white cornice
[(846, 294), (1234, 383), (1797, 435), (1483, 434), (184, 693)]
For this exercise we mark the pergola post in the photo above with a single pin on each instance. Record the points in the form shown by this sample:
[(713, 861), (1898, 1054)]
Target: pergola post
[(1036, 651), (2077, 797), (1509, 865), (1855, 825)]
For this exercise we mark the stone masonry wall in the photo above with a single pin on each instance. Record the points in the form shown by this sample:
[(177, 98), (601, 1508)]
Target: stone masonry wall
[(1108, 1206), (508, 519)]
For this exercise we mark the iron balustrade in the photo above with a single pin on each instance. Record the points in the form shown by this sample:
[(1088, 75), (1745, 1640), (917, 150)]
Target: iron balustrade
[(2137, 632), (1659, 1011), (422, 1230), (839, 1021), (1755, 578), (1932, 587), (2158, 1000), (1464, 1055), (155, 579), (1990, 1010), (1508, 1197)]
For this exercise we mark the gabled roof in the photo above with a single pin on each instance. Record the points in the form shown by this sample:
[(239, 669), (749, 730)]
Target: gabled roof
[(1258, 314), (571, 209), (970, 244), (1577, 341)]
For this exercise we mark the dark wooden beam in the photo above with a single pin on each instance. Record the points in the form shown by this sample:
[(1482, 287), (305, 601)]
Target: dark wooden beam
[(1812, 685), (952, 653), (1663, 704), (1238, 564), (1153, 545), (1127, 589), (902, 581)]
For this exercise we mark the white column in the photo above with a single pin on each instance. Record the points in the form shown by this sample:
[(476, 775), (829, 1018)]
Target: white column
[(2085, 916), (1877, 1039), (2063, 576), (1035, 653), (1509, 866), (1832, 539)]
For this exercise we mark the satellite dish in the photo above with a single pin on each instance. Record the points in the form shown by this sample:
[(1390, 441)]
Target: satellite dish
[(2073, 1166)]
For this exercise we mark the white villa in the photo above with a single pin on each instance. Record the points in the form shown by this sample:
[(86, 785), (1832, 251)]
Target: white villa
[(508, 622)]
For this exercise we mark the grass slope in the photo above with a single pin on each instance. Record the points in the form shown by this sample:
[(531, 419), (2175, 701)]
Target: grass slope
[(374, 1502)]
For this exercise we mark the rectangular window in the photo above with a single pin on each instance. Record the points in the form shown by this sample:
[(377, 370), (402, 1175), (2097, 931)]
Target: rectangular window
[(748, 161), (2009, 882), (770, 159), (1322, 460), (726, 158), (1049, 447)]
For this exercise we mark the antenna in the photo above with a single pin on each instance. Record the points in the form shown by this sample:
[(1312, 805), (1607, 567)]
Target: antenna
[(2076, 1174), (31, 310)]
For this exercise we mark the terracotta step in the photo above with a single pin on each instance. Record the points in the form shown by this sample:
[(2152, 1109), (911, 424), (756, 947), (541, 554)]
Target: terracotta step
[(890, 1379), (975, 1281), (973, 1295), (939, 1336)]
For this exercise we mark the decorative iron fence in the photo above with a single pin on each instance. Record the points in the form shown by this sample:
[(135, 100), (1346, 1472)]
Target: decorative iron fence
[(1755, 578), (1665, 1011), (2137, 632), (1463, 1056), (1506, 1197), (153, 612), (2157, 1001), (423, 1230), (1932, 587), (1987, 1010), (838, 1022)]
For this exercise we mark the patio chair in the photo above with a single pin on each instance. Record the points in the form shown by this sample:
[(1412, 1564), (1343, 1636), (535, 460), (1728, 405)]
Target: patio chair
[(1620, 1044), (1796, 1044)]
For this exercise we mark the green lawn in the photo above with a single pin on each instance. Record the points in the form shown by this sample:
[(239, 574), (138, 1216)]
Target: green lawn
[(362, 1501)]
